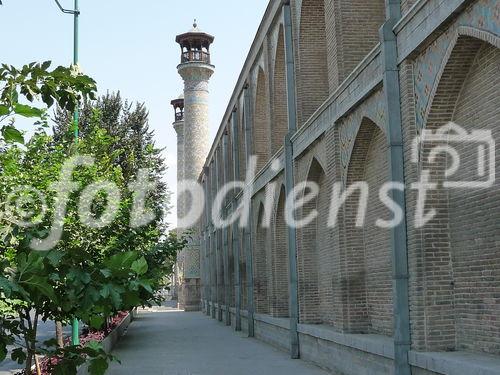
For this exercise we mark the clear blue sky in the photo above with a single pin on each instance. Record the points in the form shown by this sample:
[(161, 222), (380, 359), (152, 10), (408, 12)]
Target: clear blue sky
[(130, 46)]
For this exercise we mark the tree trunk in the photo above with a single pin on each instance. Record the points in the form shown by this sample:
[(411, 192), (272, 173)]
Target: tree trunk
[(59, 335), (29, 362), (31, 343), (25, 316)]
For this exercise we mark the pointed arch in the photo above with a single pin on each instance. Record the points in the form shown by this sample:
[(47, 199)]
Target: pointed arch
[(464, 44), (369, 278), (314, 284), (464, 243)]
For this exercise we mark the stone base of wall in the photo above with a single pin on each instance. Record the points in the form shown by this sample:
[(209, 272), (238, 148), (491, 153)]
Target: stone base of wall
[(274, 331), (190, 295), (346, 353), (356, 354), (243, 317)]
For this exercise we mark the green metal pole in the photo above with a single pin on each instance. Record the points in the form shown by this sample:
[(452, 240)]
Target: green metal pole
[(75, 332), (75, 60)]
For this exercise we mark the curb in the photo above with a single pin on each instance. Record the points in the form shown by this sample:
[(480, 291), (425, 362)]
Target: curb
[(112, 339)]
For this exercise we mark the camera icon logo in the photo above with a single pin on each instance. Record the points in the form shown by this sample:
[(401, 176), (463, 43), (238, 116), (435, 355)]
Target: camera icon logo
[(444, 140)]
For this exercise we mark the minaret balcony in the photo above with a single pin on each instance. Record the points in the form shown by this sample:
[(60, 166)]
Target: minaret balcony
[(195, 56), (179, 116)]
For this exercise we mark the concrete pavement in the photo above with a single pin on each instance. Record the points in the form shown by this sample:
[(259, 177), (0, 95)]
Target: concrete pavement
[(166, 341)]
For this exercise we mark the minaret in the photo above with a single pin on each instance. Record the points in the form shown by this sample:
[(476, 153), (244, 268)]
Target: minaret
[(178, 124), (195, 69)]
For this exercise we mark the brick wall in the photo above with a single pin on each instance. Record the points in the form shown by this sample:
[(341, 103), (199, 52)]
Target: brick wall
[(345, 272), (242, 146), (312, 74), (243, 272), (280, 278), (308, 253), (460, 247), (261, 261), (230, 265), (414, 241), (351, 32), (368, 273), (475, 215), (376, 240), (261, 141), (221, 298)]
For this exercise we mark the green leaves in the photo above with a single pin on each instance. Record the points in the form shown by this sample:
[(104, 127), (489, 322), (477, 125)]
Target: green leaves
[(27, 111), (140, 266), (99, 362), (32, 275), (11, 135), (4, 110), (121, 263), (6, 286), (18, 355), (98, 366), (63, 86), (46, 65), (97, 321), (40, 283)]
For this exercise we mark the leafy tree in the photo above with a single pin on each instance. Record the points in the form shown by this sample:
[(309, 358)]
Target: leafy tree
[(34, 82), (93, 272)]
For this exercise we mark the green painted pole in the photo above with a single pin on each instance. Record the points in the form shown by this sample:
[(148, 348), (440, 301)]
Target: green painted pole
[(289, 179), (247, 231), (76, 16), (399, 247), (75, 331), (236, 234)]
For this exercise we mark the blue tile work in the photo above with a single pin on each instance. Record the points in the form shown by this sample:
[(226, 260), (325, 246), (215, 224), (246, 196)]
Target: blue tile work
[(483, 15)]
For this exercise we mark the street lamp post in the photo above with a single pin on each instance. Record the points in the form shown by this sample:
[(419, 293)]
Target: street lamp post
[(75, 332)]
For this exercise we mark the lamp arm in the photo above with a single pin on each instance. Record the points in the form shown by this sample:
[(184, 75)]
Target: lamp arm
[(67, 11)]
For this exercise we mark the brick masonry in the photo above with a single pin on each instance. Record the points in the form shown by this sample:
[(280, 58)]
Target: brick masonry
[(448, 71)]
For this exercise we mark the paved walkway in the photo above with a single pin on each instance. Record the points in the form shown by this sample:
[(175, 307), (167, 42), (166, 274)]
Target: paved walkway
[(171, 342)]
